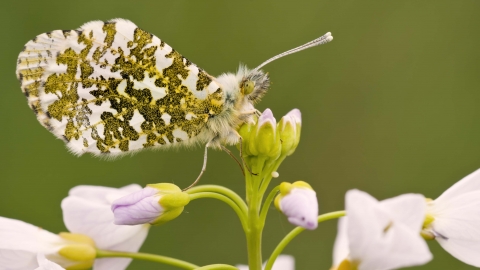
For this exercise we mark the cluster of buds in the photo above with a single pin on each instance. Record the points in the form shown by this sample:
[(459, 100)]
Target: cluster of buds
[(269, 139)]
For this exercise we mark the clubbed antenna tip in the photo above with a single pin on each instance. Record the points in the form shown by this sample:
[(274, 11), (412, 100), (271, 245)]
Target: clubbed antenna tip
[(319, 41)]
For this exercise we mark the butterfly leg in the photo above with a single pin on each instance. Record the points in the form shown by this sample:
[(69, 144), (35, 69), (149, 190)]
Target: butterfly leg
[(231, 155), (204, 168), (241, 154)]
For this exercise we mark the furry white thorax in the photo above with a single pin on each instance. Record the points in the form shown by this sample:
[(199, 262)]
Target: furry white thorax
[(238, 108)]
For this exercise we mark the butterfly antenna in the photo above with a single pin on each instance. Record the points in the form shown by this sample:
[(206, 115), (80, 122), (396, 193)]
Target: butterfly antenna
[(319, 41)]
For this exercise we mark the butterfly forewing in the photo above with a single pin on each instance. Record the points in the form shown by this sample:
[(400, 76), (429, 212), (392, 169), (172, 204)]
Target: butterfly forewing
[(111, 87)]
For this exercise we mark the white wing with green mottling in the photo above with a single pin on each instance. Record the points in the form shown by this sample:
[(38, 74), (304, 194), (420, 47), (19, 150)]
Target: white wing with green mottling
[(111, 87)]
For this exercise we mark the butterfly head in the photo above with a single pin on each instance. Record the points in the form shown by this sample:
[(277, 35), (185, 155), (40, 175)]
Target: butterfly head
[(254, 85)]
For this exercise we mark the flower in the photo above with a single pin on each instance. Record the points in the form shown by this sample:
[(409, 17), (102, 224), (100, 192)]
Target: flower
[(155, 204), (44, 264), (283, 262), (453, 219), (86, 211), (298, 201), (21, 243), (381, 235)]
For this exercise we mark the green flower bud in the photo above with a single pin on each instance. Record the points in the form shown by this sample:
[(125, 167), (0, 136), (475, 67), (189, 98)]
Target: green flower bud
[(267, 141), (289, 129), (247, 133), (80, 250)]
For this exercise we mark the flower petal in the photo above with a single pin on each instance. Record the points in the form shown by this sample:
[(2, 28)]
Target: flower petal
[(283, 262), (340, 248), (296, 116), (409, 209), (377, 240), (132, 244), (301, 207), (17, 259), (400, 247), (267, 117), (44, 264), (242, 267), (465, 250), (20, 242), (469, 183), (139, 207), (101, 194), (93, 217), (459, 219)]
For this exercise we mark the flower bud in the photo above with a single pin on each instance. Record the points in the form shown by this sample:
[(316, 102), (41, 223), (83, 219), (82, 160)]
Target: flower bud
[(298, 201), (247, 133), (267, 141), (80, 250), (155, 204), (289, 129)]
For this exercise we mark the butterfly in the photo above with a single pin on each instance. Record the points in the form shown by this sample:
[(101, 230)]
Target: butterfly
[(111, 88)]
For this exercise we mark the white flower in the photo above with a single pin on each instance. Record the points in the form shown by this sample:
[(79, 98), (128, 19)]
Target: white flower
[(20, 243), (87, 211), (298, 201), (44, 264), (283, 262), (454, 219), (381, 235), (155, 204)]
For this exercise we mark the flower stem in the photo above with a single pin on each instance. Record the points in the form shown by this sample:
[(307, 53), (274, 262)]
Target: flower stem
[(221, 190), (241, 215), (255, 227), (217, 267), (292, 234), (147, 257), (272, 167), (266, 204)]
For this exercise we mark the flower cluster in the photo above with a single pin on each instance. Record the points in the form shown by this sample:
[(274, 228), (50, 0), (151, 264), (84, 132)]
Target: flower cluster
[(388, 234), (107, 226)]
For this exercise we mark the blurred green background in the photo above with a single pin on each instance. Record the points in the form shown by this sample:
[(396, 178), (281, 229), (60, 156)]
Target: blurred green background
[(389, 107)]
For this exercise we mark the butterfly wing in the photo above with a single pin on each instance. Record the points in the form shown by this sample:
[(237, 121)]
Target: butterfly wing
[(110, 87)]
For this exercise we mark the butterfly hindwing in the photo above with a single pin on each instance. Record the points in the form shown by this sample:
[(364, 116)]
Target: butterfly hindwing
[(111, 87)]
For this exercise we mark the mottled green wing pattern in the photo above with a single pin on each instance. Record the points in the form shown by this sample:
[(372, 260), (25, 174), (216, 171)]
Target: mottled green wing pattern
[(111, 87)]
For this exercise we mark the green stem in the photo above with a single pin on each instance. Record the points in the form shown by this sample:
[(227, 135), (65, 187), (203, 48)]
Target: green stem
[(254, 232), (146, 257), (266, 204), (292, 234), (217, 267), (221, 190), (272, 168), (241, 215)]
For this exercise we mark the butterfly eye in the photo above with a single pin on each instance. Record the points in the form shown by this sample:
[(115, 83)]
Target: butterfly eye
[(248, 87)]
